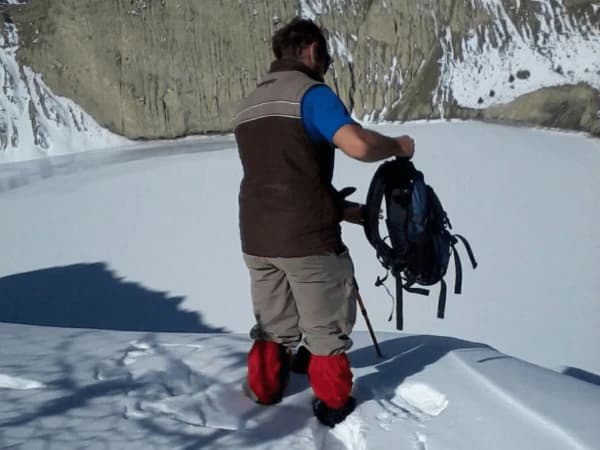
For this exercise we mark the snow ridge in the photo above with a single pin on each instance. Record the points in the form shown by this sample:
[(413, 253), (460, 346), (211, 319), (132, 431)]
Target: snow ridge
[(512, 395)]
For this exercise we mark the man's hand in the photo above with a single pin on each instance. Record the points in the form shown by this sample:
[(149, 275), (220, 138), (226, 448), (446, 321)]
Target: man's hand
[(407, 146), (370, 146), (353, 214)]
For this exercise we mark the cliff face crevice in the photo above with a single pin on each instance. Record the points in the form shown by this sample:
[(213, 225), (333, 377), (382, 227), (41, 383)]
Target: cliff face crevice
[(168, 68)]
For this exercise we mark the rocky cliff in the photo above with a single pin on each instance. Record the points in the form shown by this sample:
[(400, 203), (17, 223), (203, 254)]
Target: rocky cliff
[(167, 68)]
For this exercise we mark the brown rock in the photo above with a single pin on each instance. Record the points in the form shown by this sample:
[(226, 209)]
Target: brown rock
[(168, 68)]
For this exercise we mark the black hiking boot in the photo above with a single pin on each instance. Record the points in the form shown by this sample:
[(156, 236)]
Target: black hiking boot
[(332, 416), (300, 360), (248, 392)]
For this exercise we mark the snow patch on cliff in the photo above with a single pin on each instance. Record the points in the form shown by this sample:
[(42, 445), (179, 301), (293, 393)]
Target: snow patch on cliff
[(34, 122), (311, 9), (498, 63), (390, 80)]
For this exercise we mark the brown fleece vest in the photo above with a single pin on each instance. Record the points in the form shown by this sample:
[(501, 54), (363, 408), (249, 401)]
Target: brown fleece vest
[(287, 202)]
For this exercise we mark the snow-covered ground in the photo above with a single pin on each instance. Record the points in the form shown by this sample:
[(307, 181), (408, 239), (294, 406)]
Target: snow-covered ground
[(75, 388), (144, 241)]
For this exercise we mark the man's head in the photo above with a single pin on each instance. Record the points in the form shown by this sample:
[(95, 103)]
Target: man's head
[(303, 41)]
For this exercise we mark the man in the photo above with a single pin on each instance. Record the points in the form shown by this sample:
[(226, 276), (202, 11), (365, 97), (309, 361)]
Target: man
[(302, 277)]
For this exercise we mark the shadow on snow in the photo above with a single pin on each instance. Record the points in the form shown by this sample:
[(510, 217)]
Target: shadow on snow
[(92, 296), (582, 375), (402, 357)]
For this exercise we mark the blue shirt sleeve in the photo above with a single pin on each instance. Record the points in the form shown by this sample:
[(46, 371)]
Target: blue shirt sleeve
[(323, 114)]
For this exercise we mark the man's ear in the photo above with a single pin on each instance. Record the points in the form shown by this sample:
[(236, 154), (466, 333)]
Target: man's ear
[(314, 53), (307, 55)]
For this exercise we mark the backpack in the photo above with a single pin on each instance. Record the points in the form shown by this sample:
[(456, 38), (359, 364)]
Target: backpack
[(420, 241)]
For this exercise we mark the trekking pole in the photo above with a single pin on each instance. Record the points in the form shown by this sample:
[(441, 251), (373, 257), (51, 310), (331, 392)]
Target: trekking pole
[(363, 310)]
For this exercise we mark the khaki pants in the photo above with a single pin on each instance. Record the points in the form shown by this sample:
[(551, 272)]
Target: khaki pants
[(312, 297)]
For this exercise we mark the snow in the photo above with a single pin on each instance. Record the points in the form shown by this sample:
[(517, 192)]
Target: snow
[(560, 54), (182, 391), (312, 9), (479, 73), (124, 303), (39, 123), (8, 382), (422, 397), (337, 42), (165, 219), (35, 122)]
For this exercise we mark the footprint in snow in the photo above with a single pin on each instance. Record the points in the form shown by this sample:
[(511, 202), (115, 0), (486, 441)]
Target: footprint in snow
[(422, 397), (351, 433), (114, 369), (135, 350), (411, 401), (347, 435), (10, 382), (421, 441)]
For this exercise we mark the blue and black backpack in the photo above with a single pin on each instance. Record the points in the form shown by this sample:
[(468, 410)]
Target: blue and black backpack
[(420, 241)]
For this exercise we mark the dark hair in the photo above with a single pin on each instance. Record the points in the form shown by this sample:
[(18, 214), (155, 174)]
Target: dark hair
[(289, 41)]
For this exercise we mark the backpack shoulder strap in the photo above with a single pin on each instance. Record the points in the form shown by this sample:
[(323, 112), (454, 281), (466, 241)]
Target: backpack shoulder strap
[(371, 216), (469, 250), (399, 304)]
